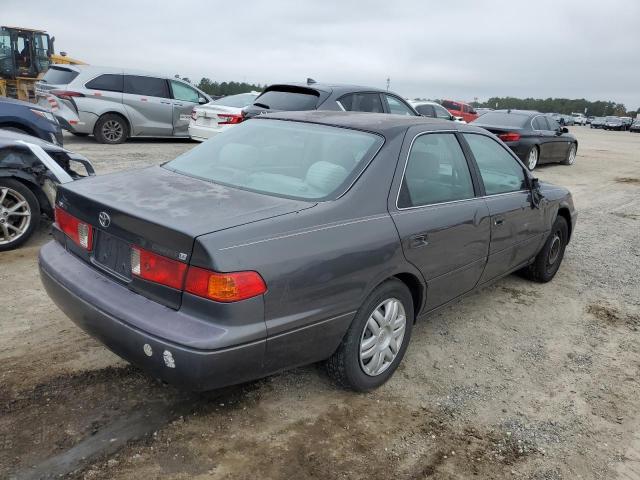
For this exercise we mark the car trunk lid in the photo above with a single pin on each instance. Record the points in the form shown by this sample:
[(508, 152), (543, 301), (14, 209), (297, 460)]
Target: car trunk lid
[(162, 212)]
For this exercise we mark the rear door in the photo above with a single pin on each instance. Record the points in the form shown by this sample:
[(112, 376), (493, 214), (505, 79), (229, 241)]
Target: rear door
[(546, 138), (517, 227), (442, 221), (148, 105), (184, 99), (561, 143)]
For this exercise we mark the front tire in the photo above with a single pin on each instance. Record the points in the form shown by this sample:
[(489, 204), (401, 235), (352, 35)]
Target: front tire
[(548, 260), (111, 129), (533, 156), (19, 214), (377, 339), (571, 155)]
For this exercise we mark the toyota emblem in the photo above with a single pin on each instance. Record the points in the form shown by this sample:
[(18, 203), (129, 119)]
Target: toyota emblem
[(104, 219)]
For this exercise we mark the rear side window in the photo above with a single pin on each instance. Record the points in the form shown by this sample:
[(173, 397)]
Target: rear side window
[(149, 86), (436, 172), (362, 102), (59, 76), (292, 99), (553, 125), (426, 110), (540, 123), (107, 82), (500, 172)]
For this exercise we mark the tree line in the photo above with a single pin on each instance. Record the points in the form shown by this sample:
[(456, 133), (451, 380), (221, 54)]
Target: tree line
[(598, 108), (227, 88)]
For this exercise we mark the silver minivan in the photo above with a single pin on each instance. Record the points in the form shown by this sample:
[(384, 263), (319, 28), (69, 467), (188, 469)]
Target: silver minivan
[(114, 104)]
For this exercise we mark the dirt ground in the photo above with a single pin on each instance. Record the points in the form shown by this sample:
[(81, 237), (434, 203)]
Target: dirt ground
[(518, 381)]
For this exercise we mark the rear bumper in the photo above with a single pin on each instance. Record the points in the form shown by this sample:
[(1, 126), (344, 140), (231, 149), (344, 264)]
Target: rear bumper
[(201, 133), (95, 303)]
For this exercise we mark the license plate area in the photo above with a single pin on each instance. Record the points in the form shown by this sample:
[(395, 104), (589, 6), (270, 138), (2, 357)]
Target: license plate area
[(113, 255)]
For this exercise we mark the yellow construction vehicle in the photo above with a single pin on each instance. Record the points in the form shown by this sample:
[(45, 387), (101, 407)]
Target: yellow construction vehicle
[(25, 55)]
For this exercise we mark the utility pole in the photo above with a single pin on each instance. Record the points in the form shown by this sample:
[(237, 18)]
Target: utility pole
[(388, 83)]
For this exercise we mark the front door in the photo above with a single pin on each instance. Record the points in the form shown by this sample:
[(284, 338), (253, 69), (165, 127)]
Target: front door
[(517, 226), (443, 225), (147, 102), (184, 99)]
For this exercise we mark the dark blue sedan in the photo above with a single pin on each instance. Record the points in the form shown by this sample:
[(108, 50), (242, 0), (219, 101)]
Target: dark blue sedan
[(24, 117)]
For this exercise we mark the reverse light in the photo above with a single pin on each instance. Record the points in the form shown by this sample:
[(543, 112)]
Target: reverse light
[(509, 137), (81, 233), (230, 118), (224, 287), (157, 268)]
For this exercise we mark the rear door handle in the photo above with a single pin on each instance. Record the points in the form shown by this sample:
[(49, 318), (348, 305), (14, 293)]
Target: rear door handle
[(419, 240), (498, 221)]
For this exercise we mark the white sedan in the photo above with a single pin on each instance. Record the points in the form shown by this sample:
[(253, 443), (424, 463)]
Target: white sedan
[(214, 117)]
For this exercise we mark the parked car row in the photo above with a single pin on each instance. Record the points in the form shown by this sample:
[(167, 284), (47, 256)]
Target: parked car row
[(613, 123)]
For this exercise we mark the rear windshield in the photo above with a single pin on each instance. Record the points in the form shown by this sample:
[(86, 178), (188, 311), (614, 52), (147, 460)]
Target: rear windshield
[(451, 105), (289, 99), (59, 76), (502, 119), (289, 159), (239, 101)]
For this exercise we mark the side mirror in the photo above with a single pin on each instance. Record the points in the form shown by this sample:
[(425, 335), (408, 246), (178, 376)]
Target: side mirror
[(202, 100), (536, 194)]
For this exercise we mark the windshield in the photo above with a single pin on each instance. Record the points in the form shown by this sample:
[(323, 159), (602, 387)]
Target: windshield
[(290, 159), (502, 119), (239, 101)]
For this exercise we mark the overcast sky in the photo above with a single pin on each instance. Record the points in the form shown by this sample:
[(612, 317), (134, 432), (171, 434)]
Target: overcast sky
[(458, 49)]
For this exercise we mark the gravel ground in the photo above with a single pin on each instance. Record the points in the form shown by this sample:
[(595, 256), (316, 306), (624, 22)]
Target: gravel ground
[(519, 380)]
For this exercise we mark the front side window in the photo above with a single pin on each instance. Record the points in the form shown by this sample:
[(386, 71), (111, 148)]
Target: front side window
[(436, 172), (362, 102), (290, 159), (442, 112), (553, 125), (107, 82), (426, 110), (540, 123), (184, 92), (397, 107), (148, 86), (500, 172)]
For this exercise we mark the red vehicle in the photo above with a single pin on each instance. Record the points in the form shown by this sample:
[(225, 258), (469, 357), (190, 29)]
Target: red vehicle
[(460, 109)]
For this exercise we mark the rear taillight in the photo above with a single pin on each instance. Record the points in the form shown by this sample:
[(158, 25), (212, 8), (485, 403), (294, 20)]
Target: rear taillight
[(194, 114), (224, 287), (66, 94), (81, 233), (509, 137), (158, 269), (230, 118)]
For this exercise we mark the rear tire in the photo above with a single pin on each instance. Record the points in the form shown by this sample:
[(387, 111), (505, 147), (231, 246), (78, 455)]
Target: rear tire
[(571, 155), (533, 156), (111, 129), (17, 224), (376, 341), (548, 260)]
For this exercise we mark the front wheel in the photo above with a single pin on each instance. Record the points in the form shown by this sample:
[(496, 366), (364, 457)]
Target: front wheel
[(532, 157), (548, 260), (19, 214), (377, 339), (571, 155)]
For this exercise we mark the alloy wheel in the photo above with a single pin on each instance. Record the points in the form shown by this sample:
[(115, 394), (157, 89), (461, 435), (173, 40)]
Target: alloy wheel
[(532, 159), (572, 155), (112, 130), (15, 215), (382, 337)]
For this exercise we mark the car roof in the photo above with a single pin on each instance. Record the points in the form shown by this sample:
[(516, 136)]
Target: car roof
[(385, 124), (98, 69), (337, 88)]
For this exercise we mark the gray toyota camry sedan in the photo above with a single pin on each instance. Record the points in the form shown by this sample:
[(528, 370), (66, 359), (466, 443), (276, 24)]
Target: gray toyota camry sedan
[(296, 238)]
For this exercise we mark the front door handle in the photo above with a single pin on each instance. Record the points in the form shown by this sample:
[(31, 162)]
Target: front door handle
[(498, 221), (419, 240)]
